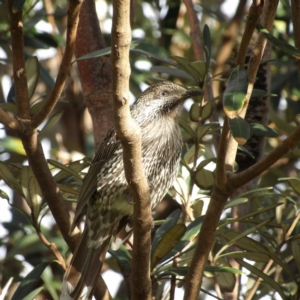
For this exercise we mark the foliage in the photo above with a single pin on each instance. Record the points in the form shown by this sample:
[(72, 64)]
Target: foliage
[(267, 248)]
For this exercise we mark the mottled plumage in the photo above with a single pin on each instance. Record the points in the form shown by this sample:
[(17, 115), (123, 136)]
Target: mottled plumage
[(105, 192)]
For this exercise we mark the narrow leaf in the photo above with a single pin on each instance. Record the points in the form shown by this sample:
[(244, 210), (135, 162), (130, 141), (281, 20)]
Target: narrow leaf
[(32, 72), (29, 282), (265, 277)]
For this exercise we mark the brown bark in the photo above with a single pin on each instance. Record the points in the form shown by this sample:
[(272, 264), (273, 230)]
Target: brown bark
[(95, 73), (130, 135)]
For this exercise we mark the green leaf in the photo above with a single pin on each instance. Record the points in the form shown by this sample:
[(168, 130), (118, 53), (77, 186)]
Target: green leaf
[(236, 202), (201, 68), (151, 55), (75, 166), (256, 93), (35, 195), (195, 112), (51, 122), (32, 72), (3, 195), (9, 179), (34, 293), (184, 64), (284, 46), (9, 106), (13, 144), (29, 282), (106, 51), (186, 126), (63, 167), (170, 221), (26, 174), (262, 130), (235, 92), (254, 256), (5, 288), (171, 71), (191, 231), (239, 129), (123, 256), (204, 179), (294, 182), (168, 241), (207, 44), (265, 278), (207, 111)]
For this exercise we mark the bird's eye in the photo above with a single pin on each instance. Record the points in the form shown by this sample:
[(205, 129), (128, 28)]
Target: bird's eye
[(164, 93)]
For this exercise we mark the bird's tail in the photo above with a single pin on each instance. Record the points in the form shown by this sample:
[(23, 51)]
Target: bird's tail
[(84, 270)]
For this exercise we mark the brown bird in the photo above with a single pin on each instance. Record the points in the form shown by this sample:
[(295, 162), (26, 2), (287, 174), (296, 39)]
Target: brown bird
[(105, 193)]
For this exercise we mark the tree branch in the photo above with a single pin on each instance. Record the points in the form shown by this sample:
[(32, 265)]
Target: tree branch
[(195, 30), (8, 121), (73, 19), (130, 135), (18, 59), (95, 74)]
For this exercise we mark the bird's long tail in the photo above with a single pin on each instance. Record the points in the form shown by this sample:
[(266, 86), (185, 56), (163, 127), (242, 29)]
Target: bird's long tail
[(82, 275)]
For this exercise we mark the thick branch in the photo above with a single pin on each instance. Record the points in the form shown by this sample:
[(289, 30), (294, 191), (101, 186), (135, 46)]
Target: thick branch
[(48, 186), (18, 59), (129, 133), (204, 244), (73, 19), (238, 180), (95, 74)]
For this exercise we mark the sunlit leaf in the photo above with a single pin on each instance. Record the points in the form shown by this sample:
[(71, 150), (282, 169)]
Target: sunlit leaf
[(170, 221), (168, 241), (204, 179), (185, 125)]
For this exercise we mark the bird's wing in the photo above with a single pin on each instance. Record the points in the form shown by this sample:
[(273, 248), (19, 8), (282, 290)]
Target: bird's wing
[(106, 150)]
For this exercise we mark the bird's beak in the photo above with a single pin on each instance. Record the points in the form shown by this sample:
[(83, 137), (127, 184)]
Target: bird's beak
[(192, 93)]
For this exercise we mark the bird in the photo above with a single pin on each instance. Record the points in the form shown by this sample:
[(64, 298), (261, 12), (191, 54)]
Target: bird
[(105, 195)]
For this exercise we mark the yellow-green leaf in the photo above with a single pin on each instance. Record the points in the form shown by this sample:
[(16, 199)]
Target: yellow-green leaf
[(167, 243), (32, 72), (204, 179)]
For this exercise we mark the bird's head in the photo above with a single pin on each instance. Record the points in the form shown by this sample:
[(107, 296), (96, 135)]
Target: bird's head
[(161, 100)]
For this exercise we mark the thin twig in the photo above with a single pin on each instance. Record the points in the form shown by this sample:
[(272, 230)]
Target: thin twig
[(73, 19)]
